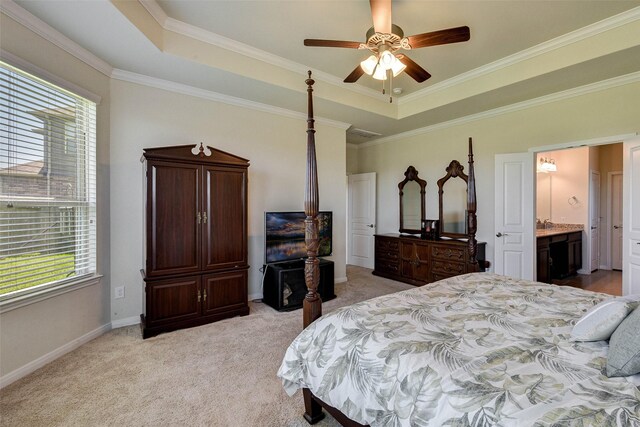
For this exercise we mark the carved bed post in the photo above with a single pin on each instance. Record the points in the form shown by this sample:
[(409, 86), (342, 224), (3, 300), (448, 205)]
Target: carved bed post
[(472, 222), (312, 305)]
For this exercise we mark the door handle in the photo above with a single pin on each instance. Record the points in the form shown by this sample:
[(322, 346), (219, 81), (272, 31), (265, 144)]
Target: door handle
[(617, 227), (593, 228), (370, 226), (500, 234)]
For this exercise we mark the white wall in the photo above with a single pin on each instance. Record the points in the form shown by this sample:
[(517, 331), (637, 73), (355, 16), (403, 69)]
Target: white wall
[(275, 145), (33, 335), (607, 112), (352, 159)]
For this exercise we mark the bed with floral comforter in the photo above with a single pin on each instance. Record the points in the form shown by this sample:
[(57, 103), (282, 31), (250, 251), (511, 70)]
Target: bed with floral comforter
[(473, 350)]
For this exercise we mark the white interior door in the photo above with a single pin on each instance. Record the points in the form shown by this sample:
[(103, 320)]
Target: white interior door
[(594, 219), (616, 221), (631, 218), (514, 224), (361, 213)]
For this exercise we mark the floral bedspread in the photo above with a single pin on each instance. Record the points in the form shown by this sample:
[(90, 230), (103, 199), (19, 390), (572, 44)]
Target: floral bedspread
[(474, 350)]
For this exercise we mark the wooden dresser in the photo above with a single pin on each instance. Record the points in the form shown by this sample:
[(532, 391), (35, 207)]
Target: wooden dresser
[(196, 238), (417, 261)]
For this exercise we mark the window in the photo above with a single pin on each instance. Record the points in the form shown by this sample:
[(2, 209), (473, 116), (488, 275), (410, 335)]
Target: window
[(47, 184)]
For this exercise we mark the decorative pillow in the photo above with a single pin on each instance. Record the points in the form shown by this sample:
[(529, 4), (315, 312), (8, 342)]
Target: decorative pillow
[(599, 322), (624, 348)]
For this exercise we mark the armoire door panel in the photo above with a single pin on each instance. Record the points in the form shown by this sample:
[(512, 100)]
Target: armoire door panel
[(224, 291), (173, 231), (173, 300), (224, 233)]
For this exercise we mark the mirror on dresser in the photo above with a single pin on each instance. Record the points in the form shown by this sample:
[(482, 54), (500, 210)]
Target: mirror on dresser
[(452, 200), (412, 201), (419, 258)]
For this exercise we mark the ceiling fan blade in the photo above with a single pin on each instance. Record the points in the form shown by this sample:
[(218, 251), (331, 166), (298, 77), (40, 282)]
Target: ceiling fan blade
[(331, 43), (381, 14), (452, 35), (415, 71), (355, 75)]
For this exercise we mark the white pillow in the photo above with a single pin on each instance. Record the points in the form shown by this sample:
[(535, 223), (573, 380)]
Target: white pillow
[(599, 322)]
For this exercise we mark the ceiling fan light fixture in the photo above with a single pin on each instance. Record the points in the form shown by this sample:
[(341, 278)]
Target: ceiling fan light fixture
[(397, 67), (380, 73), (369, 65), (387, 59)]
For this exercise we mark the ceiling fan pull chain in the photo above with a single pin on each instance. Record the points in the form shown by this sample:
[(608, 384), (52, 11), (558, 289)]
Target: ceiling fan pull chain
[(390, 86)]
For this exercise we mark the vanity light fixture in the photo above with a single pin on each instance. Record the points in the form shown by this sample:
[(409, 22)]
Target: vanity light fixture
[(547, 165)]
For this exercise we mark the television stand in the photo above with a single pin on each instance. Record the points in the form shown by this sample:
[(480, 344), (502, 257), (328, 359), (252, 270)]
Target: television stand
[(285, 288)]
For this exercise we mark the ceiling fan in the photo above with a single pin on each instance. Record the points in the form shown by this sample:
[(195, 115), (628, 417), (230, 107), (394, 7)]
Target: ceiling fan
[(384, 39)]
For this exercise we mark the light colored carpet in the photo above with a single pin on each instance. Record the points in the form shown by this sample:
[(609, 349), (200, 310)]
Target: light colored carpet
[(221, 374)]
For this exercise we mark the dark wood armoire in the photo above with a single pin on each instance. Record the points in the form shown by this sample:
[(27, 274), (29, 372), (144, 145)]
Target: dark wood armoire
[(196, 237)]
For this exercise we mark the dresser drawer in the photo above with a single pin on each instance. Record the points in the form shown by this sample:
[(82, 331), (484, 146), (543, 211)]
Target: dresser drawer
[(448, 253), (387, 266), (448, 267), (387, 245)]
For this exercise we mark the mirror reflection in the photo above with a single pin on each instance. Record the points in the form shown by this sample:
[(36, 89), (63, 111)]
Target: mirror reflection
[(411, 206), (452, 197), (454, 205), (543, 196)]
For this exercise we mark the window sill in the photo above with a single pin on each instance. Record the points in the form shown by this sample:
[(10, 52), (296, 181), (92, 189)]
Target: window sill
[(11, 303)]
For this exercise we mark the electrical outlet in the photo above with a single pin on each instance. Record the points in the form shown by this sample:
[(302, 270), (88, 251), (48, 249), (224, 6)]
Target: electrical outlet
[(120, 292)]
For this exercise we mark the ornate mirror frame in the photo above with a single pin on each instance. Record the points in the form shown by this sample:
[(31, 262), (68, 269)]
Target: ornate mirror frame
[(454, 170), (411, 174)]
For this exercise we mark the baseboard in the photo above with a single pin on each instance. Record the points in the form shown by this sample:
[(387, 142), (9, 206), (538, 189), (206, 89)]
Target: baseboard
[(254, 297), (340, 280), (127, 321), (38, 363)]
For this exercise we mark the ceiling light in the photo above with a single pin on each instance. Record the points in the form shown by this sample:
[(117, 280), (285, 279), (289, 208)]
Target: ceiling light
[(397, 67), (380, 73), (369, 64), (387, 60)]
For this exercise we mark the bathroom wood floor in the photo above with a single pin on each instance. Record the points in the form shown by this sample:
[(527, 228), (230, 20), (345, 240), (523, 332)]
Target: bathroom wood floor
[(606, 281)]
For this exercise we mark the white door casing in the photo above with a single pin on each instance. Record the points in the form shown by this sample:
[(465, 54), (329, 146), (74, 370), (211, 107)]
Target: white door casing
[(514, 224), (631, 217), (615, 221), (361, 214), (594, 219)]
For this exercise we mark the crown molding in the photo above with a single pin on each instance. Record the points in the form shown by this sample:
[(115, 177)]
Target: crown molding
[(38, 26), (546, 99), (218, 97), (583, 33), (200, 34), (155, 10)]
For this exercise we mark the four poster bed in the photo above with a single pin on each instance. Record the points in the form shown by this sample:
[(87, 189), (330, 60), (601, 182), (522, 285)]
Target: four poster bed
[(474, 349)]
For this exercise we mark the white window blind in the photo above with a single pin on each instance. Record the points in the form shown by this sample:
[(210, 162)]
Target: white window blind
[(47, 184)]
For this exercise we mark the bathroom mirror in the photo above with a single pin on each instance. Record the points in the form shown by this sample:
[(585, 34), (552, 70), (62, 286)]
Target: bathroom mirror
[(543, 196), (412, 201), (452, 198)]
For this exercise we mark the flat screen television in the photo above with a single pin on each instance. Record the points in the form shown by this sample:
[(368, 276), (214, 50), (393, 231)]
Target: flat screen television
[(284, 235)]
